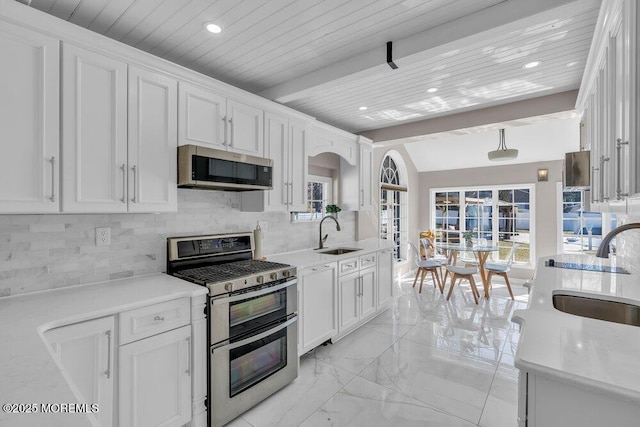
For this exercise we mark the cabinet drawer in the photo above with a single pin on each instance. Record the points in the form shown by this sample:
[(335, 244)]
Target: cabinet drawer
[(154, 319), (368, 260), (347, 266)]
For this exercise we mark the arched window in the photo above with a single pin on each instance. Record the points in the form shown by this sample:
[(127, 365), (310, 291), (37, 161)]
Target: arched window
[(393, 204)]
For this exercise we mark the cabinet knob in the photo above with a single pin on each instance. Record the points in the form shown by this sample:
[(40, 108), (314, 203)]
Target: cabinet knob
[(159, 319)]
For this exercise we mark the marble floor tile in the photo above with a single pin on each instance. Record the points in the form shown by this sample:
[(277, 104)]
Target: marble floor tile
[(454, 384), (316, 383), (357, 350), (425, 362), (364, 403)]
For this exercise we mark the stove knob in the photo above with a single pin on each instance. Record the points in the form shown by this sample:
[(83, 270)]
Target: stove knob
[(285, 273), (228, 287), (274, 276), (260, 279)]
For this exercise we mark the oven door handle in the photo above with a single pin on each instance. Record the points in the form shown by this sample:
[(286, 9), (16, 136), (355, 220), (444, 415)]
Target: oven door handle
[(255, 338), (247, 295)]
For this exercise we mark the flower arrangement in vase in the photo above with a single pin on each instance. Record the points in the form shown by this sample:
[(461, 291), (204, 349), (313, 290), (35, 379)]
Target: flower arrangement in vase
[(467, 236), (333, 210)]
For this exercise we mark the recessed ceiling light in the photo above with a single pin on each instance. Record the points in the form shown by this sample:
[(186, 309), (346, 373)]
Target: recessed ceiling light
[(531, 64), (362, 108), (572, 64), (212, 28), (432, 89)]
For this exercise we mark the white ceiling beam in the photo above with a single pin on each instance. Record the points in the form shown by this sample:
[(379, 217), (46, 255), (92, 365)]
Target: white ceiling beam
[(498, 19), (543, 105)]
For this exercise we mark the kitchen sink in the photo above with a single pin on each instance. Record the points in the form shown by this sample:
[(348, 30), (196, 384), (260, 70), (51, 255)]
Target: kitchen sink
[(611, 311), (339, 251)]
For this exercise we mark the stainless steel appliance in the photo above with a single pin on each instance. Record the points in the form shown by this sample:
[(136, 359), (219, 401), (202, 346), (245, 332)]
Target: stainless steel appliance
[(207, 168), (251, 316)]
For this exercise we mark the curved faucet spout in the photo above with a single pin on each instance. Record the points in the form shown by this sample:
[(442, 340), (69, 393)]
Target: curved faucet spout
[(603, 250), (321, 240)]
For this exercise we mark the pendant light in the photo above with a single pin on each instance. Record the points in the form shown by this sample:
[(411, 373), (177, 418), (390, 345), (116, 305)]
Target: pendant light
[(502, 153)]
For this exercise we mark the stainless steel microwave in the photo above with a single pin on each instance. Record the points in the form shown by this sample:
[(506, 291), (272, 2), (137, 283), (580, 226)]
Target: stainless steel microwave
[(207, 168)]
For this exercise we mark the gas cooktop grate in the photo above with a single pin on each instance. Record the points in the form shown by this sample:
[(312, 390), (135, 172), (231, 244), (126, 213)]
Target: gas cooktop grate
[(230, 271)]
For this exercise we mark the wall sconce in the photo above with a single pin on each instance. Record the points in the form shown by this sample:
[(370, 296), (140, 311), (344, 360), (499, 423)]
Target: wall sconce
[(543, 175)]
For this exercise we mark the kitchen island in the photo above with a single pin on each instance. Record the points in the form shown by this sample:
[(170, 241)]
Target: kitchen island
[(577, 370)]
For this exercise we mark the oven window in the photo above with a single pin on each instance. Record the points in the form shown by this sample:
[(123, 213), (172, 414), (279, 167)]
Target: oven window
[(255, 312), (255, 361)]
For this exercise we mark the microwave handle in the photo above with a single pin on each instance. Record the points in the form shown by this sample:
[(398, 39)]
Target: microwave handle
[(255, 338)]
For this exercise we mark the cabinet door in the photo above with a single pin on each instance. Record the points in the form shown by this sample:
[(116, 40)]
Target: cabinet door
[(276, 148), (201, 117), (245, 128), (349, 303), (29, 119), (94, 132), (366, 176), (385, 277), (152, 141), (85, 352), (155, 380), (319, 302), (368, 288), (298, 167)]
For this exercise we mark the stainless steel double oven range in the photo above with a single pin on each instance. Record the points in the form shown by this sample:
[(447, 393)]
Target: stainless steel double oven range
[(251, 316)]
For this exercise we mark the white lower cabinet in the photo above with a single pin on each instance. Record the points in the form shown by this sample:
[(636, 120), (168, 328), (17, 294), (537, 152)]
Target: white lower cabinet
[(385, 277), (338, 297), (85, 353), (544, 401), (318, 306), (155, 380)]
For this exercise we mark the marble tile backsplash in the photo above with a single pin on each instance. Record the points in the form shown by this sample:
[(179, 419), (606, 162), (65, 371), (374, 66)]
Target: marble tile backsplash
[(40, 252), (628, 243)]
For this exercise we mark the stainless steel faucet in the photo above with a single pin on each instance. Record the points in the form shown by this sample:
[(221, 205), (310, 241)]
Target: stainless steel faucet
[(321, 240), (603, 250)]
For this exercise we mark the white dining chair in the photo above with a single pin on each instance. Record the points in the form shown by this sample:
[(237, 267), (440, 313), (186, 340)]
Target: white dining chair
[(501, 268), (423, 266), (467, 273)]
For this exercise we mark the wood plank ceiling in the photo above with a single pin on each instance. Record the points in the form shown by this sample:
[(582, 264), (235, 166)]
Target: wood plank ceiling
[(327, 58)]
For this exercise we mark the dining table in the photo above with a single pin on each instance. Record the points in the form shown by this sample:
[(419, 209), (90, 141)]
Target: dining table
[(480, 251)]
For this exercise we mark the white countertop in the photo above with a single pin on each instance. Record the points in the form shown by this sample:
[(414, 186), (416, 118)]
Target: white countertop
[(28, 371), (590, 353), (309, 257)]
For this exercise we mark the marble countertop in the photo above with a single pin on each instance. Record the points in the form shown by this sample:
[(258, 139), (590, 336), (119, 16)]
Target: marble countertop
[(310, 258), (28, 372), (591, 353)]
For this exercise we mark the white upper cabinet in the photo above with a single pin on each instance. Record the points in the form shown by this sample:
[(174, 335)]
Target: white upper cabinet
[(94, 132), (209, 119), (286, 145), (29, 119), (245, 128), (152, 141), (609, 97), (327, 139), (201, 117)]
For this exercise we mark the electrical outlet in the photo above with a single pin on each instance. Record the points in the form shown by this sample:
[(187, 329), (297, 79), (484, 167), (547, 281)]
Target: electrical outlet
[(264, 225), (103, 236)]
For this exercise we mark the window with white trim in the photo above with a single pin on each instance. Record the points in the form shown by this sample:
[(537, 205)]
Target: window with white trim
[(393, 207), (501, 214), (582, 230), (319, 195)]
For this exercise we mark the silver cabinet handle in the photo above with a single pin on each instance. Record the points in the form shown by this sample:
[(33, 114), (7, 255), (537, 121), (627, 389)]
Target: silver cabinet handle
[(123, 168), (593, 181), (134, 169), (231, 141), (603, 160), (158, 319), (52, 160), (286, 189), (224, 120), (362, 197), (108, 371), (619, 193), (188, 371), (321, 268), (290, 191)]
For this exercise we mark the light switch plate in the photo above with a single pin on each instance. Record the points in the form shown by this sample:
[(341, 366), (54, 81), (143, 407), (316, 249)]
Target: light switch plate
[(103, 236)]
